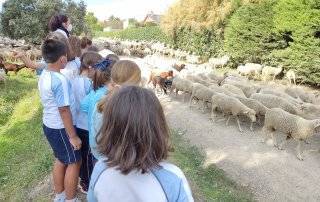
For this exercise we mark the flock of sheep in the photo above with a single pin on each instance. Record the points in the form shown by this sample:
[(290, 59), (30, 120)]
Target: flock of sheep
[(288, 109)]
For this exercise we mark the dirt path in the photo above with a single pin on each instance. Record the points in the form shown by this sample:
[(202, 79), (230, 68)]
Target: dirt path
[(272, 175)]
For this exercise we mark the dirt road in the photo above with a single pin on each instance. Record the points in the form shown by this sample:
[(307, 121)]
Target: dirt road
[(271, 174)]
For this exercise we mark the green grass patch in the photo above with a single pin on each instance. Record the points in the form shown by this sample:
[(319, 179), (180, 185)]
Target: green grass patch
[(149, 33), (208, 183), (25, 157)]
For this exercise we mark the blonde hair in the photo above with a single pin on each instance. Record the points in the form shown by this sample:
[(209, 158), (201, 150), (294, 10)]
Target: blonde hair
[(124, 72)]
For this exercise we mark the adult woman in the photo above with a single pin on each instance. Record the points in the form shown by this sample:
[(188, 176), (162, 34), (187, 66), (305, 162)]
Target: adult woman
[(60, 23)]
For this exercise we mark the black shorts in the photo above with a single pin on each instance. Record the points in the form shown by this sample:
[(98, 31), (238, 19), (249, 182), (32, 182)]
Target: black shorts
[(60, 144)]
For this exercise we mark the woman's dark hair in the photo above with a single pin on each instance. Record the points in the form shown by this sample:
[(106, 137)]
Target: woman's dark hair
[(75, 45), (56, 22), (134, 134)]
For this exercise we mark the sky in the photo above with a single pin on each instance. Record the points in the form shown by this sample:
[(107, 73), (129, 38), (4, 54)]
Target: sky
[(124, 8)]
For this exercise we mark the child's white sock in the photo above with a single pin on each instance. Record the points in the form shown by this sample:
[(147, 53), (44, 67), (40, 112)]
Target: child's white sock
[(60, 197)]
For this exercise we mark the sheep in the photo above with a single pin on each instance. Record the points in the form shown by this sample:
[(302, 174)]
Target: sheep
[(216, 62), (126, 52), (301, 94), (233, 89), (259, 108), (215, 78), (159, 77), (292, 125), (2, 76), (179, 67), (249, 69), (310, 111), (10, 66), (268, 71), (273, 101), (180, 84), (220, 90), (197, 80), (247, 88), (201, 92), (283, 95), (291, 76), (231, 105)]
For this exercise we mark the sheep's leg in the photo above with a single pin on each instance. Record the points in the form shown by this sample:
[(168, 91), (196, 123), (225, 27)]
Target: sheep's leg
[(306, 141), (251, 126), (240, 129), (282, 144), (227, 123), (203, 106), (190, 102), (298, 149), (274, 140), (213, 116)]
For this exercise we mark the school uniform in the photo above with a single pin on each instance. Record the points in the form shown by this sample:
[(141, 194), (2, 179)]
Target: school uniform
[(72, 69), (56, 91), (81, 87), (88, 105), (164, 184)]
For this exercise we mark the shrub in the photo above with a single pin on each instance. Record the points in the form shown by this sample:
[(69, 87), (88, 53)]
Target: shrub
[(151, 33)]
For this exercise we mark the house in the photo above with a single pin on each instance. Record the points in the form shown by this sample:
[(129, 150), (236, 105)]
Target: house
[(113, 24), (152, 18)]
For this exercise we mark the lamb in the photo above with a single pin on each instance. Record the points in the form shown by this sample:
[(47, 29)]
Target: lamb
[(201, 92), (197, 80), (291, 76), (233, 89), (273, 101), (180, 84), (293, 126), (224, 91), (231, 105), (268, 71)]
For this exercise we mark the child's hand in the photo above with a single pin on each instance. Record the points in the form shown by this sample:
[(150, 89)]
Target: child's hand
[(75, 142)]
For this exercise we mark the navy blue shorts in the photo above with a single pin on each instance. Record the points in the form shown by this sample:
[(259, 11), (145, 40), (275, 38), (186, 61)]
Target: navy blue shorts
[(60, 144)]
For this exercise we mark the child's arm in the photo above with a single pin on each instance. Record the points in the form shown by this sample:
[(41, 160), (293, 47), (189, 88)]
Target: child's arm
[(66, 117)]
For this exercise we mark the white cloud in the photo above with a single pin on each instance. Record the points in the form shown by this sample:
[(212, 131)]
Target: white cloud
[(128, 8)]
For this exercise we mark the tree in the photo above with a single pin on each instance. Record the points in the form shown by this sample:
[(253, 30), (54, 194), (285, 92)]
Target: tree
[(92, 23), (28, 19)]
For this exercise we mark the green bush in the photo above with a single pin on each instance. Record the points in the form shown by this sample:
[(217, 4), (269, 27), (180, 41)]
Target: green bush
[(249, 33)]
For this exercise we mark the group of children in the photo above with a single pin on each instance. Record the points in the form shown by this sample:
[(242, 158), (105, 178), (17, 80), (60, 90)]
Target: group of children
[(102, 127)]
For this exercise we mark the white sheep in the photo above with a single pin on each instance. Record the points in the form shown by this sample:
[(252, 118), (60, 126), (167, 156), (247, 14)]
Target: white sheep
[(273, 101), (268, 72), (202, 93), (180, 84), (301, 94), (232, 106), (2, 76), (280, 94), (249, 69), (257, 106), (216, 62), (291, 125), (291, 76), (247, 88), (233, 89)]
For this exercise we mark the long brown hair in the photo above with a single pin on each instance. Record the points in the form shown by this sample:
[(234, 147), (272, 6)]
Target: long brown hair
[(124, 72), (134, 134), (75, 45)]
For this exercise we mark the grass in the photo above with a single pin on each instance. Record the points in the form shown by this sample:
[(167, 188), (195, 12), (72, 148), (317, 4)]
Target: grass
[(25, 157), (208, 183)]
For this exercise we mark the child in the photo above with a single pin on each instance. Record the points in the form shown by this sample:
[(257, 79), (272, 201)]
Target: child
[(99, 70), (134, 141), (124, 72), (58, 107), (82, 86)]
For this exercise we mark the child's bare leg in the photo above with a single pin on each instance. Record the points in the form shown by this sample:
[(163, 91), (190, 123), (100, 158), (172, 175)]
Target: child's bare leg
[(59, 170), (71, 180)]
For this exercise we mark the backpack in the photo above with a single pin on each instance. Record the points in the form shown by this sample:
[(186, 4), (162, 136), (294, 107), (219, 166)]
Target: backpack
[(171, 184)]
